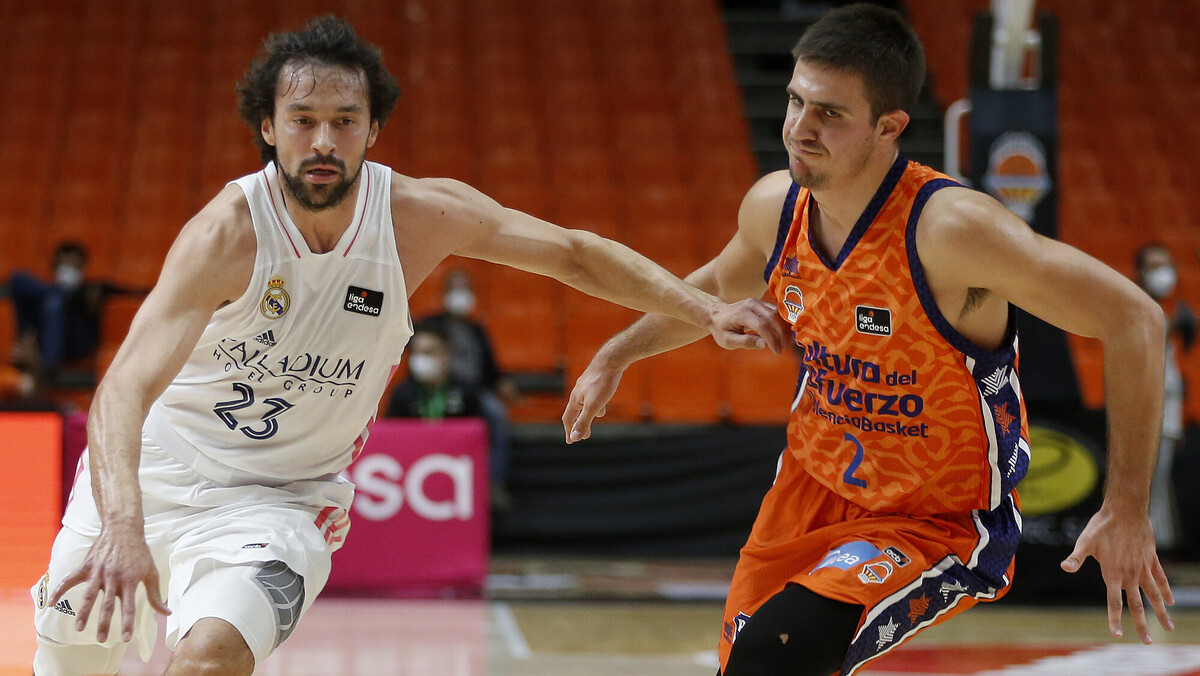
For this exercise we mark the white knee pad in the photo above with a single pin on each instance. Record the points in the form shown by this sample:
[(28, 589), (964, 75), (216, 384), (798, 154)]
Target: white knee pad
[(60, 659)]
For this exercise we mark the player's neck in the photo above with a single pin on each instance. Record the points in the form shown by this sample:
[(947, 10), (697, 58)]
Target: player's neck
[(323, 229), (841, 205)]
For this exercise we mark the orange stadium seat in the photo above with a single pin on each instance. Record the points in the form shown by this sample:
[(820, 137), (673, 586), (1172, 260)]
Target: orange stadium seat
[(761, 386), (592, 207), (689, 384), (589, 323), (114, 326), (580, 165)]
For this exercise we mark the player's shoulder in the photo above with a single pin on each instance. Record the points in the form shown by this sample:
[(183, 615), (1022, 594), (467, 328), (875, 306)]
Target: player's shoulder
[(960, 226), (225, 222), (769, 192), (763, 205), (957, 214), (435, 198)]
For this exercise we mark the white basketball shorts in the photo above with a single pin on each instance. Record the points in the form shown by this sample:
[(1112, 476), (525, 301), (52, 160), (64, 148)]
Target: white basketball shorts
[(253, 555)]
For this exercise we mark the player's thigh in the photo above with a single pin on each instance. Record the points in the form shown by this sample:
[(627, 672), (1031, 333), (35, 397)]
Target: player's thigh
[(796, 632), (57, 622), (63, 659)]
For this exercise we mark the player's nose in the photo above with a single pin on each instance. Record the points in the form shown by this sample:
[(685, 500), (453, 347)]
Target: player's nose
[(322, 142)]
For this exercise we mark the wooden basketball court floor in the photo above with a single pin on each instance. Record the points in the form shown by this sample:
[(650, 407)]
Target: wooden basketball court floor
[(601, 618)]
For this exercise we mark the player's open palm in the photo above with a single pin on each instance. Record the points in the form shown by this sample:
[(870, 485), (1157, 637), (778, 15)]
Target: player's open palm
[(1124, 548), (117, 563), (749, 323), (588, 400)]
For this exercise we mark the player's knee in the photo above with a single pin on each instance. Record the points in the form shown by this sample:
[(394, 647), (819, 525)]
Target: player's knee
[(772, 653), (779, 653), (212, 647), (795, 633)]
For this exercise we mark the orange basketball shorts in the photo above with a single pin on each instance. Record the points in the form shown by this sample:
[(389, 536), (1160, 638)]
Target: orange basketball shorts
[(908, 572)]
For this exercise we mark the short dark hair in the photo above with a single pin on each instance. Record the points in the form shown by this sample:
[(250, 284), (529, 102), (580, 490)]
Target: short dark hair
[(435, 330), (328, 41), (1143, 253), (69, 248), (874, 42)]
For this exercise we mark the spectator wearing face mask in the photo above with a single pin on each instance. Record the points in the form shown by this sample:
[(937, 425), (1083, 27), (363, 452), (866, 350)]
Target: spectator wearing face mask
[(57, 321), (1157, 275), (434, 392), (473, 363)]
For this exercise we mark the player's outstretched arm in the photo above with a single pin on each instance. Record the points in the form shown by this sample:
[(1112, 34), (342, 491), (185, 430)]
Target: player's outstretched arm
[(463, 221), (737, 272), (972, 240), (209, 264)]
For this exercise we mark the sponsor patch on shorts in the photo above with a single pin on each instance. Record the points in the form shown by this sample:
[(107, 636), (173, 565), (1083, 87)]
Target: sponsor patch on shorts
[(896, 555), (849, 555)]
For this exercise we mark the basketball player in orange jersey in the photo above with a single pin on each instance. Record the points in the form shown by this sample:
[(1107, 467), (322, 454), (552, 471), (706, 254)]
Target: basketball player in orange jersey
[(252, 372), (894, 505)]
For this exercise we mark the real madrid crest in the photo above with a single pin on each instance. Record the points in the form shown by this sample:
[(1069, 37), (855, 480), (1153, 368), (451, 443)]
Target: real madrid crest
[(275, 302), (41, 597)]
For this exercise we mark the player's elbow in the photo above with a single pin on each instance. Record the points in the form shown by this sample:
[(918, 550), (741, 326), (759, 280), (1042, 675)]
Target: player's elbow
[(1140, 319), (581, 252)]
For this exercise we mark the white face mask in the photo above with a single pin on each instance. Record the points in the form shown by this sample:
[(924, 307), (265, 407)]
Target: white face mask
[(68, 277), (425, 368), (459, 302), (1160, 282)]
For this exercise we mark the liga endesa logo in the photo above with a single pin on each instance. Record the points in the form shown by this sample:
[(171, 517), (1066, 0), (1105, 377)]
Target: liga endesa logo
[(437, 487)]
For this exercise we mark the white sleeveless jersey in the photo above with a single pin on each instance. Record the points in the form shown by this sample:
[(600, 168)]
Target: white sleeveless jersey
[(286, 380)]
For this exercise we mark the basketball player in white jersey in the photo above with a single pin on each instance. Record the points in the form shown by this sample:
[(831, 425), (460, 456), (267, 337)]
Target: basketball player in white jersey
[(211, 490)]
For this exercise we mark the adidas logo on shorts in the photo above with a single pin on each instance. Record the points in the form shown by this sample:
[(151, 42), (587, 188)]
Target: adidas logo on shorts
[(64, 607), (266, 338)]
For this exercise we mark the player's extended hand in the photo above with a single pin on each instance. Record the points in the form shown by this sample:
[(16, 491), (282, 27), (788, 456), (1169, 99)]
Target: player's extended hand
[(1124, 548), (588, 400), (117, 563), (750, 323)]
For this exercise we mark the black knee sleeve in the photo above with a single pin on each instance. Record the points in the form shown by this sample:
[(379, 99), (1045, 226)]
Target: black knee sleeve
[(795, 633)]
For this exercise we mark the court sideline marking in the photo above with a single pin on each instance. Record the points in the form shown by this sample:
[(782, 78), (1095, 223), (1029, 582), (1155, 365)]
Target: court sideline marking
[(510, 630)]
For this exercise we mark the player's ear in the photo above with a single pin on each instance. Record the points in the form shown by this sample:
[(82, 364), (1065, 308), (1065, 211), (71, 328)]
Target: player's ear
[(890, 124), (373, 134), (268, 131)]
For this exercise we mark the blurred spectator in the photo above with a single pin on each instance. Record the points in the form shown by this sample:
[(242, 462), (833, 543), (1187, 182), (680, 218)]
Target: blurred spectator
[(57, 321), (1157, 275), (433, 392), (473, 361)]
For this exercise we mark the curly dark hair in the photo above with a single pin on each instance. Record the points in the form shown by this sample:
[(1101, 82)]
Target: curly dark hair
[(874, 42), (327, 41)]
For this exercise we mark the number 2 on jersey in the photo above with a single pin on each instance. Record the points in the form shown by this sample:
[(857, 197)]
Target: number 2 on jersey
[(225, 409), (849, 477)]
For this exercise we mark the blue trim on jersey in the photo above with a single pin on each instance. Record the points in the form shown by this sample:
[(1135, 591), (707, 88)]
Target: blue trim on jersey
[(864, 220), (999, 396), (786, 215), (917, 271), (939, 589)]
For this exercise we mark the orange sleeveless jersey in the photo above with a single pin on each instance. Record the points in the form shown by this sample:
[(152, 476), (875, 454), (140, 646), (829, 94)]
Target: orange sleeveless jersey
[(895, 411)]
